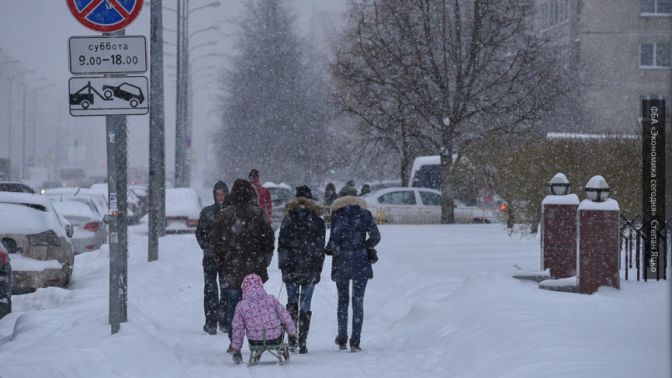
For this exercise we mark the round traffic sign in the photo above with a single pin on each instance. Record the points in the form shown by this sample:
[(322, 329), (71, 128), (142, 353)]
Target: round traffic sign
[(105, 15)]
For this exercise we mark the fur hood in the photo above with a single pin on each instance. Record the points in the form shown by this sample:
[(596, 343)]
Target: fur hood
[(348, 201), (309, 204)]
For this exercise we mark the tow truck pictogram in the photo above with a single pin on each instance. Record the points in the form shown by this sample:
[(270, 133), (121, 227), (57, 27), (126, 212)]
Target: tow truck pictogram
[(84, 97)]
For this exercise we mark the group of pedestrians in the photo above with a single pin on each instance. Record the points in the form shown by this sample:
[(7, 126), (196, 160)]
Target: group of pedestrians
[(238, 244)]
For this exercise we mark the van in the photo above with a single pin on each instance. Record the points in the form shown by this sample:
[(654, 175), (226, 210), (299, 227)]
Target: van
[(426, 172)]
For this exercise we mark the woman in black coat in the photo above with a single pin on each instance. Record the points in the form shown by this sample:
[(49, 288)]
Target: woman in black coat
[(349, 246), (300, 257)]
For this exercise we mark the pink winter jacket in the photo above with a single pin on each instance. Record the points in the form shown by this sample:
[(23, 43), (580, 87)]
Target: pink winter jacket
[(259, 314)]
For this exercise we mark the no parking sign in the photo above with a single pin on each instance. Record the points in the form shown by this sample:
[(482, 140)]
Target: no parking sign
[(105, 15)]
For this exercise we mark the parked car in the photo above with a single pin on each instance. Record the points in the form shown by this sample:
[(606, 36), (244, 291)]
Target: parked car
[(89, 229), (132, 201), (142, 192), (5, 282), (280, 195), (97, 199), (15, 186), (183, 207), (37, 238), (421, 205)]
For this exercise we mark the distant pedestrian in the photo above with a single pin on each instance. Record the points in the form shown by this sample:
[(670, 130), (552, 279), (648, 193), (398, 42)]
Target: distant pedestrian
[(214, 305), (263, 195), (366, 189), (260, 316), (301, 257), (348, 189), (244, 244), (349, 246), (330, 194)]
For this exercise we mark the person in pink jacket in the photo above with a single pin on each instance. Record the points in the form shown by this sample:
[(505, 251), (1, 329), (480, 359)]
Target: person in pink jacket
[(261, 315)]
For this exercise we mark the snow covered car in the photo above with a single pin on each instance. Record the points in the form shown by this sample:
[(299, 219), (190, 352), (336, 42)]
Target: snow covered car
[(132, 201), (89, 229), (15, 186), (5, 282), (421, 205), (38, 241), (97, 199), (183, 207), (280, 195)]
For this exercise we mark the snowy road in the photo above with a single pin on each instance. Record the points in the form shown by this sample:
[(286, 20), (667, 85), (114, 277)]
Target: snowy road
[(441, 304)]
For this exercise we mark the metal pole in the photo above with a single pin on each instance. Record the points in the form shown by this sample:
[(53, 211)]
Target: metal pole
[(157, 166), (187, 100), (9, 126), (179, 98), (115, 126), (23, 135)]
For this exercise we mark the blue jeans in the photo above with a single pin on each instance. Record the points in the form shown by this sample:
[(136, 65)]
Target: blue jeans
[(358, 289), (232, 296), (306, 295)]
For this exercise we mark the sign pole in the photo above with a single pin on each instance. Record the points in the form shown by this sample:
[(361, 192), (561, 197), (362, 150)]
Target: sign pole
[(115, 126), (157, 167)]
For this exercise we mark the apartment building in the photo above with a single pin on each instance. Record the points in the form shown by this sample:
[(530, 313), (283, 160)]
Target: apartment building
[(620, 51)]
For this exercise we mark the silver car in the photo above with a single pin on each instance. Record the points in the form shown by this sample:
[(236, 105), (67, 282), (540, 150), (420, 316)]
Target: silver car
[(38, 241), (89, 230)]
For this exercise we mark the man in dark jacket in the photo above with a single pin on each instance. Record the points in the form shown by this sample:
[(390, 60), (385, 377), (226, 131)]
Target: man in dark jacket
[(213, 304), (348, 244), (300, 257), (244, 244), (348, 189)]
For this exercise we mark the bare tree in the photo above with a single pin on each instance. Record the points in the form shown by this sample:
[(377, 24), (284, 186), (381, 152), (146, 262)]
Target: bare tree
[(444, 73)]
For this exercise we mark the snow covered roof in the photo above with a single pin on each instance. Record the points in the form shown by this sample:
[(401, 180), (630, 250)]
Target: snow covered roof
[(73, 210), (568, 199), (181, 202), (24, 213)]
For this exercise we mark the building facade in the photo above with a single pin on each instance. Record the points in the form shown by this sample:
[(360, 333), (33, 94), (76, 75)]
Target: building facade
[(619, 50)]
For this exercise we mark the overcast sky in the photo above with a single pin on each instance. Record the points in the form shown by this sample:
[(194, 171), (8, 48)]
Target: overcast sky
[(36, 32)]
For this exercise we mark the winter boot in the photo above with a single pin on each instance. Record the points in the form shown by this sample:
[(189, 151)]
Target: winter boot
[(304, 327), (210, 328), (354, 346), (342, 343), (293, 309)]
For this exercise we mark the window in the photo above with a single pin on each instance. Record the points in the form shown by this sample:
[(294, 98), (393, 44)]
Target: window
[(430, 199), (398, 198), (654, 55), (650, 7)]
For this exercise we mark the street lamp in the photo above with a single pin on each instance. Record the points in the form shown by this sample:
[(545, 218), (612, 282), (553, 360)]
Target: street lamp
[(26, 84), (204, 44), (9, 113)]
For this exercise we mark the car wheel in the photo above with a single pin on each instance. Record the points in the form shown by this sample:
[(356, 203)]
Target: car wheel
[(108, 94), (134, 103), (85, 104)]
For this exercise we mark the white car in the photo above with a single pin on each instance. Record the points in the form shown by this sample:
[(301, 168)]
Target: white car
[(89, 229), (183, 207), (420, 205), (37, 238)]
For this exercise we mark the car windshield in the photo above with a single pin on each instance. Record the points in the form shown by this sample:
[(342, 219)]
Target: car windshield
[(130, 89)]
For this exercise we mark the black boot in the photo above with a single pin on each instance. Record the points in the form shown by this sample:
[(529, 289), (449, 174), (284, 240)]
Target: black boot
[(354, 346), (304, 327), (293, 309), (341, 342)]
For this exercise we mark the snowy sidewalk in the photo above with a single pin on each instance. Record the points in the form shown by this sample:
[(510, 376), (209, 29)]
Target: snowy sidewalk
[(442, 304)]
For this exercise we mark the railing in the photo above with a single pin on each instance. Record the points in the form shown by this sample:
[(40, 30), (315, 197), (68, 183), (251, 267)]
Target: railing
[(632, 242)]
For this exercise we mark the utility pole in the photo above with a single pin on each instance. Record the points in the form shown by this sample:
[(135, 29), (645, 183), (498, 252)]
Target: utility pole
[(179, 97), (157, 166)]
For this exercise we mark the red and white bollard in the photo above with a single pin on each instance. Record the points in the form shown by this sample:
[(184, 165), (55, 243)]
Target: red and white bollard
[(598, 239), (558, 229)]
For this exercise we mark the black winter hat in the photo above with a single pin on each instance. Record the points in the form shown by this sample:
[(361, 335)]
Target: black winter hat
[(254, 174), (304, 191), (242, 192)]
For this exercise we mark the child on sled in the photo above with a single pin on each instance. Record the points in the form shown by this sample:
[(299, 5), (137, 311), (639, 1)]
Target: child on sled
[(261, 316)]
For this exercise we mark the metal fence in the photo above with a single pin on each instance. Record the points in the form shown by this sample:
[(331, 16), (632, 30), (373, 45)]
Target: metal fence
[(632, 241)]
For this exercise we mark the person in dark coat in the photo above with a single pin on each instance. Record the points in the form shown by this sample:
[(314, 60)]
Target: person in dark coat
[(301, 257), (366, 189), (244, 244), (330, 194), (349, 245), (348, 189), (214, 305)]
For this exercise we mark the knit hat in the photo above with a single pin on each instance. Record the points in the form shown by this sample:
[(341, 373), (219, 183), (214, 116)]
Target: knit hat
[(254, 174), (304, 191)]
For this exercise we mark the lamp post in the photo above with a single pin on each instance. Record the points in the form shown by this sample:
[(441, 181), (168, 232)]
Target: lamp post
[(23, 125), (9, 112), (182, 116)]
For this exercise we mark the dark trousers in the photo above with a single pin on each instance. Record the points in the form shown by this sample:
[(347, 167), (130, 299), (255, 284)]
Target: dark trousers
[(232, 296), (358, 289), (214, 304)]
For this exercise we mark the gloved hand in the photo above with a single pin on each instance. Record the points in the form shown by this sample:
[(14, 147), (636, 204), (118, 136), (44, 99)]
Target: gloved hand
[(237, 357)]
